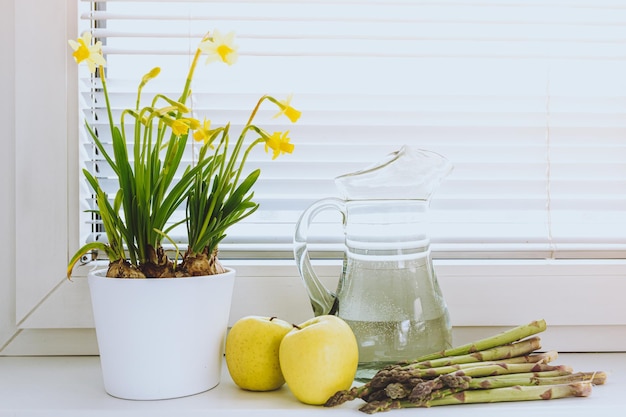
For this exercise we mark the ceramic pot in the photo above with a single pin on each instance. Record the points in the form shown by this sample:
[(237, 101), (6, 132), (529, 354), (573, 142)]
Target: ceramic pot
[(161, 338)]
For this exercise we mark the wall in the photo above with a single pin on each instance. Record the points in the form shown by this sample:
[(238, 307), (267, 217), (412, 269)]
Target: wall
[(7, 168)]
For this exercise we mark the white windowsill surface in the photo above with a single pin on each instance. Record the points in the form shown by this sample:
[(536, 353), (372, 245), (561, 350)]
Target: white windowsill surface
[(72, 386)]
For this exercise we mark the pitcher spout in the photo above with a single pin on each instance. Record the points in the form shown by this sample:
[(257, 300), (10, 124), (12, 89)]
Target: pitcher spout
[(409, 173)]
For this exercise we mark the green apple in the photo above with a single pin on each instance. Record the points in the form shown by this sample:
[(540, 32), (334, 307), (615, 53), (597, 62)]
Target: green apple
[(251, 350), (318, 358)]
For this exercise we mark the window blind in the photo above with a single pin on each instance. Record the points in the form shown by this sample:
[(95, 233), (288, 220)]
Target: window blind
[(526, 99)]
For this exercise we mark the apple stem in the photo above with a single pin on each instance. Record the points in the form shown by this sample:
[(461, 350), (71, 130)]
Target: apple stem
[(295, 326)]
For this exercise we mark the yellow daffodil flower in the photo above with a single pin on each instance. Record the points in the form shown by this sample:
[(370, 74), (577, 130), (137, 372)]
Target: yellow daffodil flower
[(203, 134), (220, 48), (181, 126), (287, 110), (84, 51), (279, 144), (191, 122)]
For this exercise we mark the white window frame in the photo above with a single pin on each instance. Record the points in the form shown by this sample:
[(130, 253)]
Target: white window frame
[(580, 299)]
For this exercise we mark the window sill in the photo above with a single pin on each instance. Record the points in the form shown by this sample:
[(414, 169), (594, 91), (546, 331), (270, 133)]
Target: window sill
[(72, 386), (581, 300)]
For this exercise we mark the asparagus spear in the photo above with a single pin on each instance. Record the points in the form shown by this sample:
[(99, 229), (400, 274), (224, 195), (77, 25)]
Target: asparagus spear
[(545, 357), (514, 368), (516, 393), (386, 376), (496, 353), (509, 336), (596, 378), (448, 384), (462, 380), (469, 369)]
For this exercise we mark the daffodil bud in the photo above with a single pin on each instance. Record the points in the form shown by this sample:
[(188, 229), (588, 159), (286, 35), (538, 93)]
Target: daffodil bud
[(154, 72)]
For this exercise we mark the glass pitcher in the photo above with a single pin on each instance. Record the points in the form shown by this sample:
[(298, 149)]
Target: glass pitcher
[(387, 291)]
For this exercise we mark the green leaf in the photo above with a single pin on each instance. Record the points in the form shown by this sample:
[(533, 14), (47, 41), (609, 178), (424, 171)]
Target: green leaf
[(86, 249), (235, 199)]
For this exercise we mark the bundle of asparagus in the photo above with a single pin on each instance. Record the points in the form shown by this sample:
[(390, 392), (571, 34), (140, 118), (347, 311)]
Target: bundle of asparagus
[(504, 367)]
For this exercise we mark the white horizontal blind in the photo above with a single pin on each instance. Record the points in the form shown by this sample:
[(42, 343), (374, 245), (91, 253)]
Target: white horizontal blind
[(526, 98)]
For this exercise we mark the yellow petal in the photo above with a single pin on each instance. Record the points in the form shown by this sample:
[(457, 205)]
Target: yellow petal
[(292, 114), (179, 127)]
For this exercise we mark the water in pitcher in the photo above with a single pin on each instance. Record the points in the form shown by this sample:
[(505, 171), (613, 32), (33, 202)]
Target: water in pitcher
[(409, 338), (395, 308)]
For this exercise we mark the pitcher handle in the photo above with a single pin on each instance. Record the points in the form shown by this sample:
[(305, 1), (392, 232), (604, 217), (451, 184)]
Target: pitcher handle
[(322, 300)]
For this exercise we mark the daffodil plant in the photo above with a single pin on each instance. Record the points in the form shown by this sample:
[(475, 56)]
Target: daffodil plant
[(214, 189)]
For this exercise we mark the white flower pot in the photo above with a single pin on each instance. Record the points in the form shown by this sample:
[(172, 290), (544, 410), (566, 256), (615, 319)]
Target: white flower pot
[(160, 338)]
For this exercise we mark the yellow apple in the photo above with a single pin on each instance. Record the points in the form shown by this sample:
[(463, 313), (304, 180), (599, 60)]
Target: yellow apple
[(318, 358), (251, 351)]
